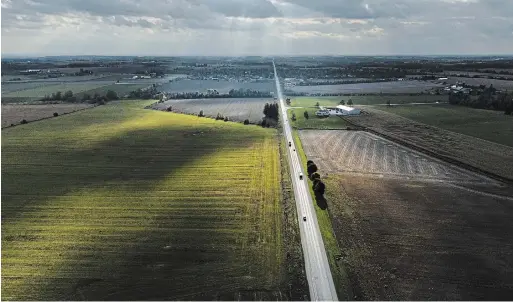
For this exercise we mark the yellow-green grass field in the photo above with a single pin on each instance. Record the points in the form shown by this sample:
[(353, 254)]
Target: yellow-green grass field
[(366, 100), (122, 203), (315, 122)]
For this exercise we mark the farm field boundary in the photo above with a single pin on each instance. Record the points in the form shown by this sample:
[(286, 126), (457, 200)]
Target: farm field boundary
[(50, 115), (432, 152), (361, 152)]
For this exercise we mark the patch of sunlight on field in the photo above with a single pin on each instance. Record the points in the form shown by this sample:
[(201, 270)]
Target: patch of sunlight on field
[(119, 202)]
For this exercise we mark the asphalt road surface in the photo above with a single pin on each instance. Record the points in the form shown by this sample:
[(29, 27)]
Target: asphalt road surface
[(318, 274)]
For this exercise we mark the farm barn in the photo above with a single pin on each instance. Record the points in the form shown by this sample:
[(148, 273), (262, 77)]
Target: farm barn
[(339, 110)]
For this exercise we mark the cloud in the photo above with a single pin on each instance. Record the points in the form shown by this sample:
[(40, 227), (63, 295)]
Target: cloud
[(231, 27)]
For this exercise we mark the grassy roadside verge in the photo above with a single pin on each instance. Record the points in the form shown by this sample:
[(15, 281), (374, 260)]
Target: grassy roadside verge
[(294, 263), (340, 276)]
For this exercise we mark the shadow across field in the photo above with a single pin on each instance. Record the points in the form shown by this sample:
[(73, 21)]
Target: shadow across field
[(110, 252)]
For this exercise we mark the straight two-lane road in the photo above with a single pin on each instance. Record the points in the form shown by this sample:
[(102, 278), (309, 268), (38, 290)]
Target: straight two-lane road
[(317, 268)]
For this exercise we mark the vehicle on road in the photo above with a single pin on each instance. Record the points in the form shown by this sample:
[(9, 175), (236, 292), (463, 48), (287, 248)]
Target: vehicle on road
[(290, 144), (300, 175), (304, 218)]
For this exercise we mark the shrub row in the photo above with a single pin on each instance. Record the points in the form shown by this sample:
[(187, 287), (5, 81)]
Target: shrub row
[(318, 186)]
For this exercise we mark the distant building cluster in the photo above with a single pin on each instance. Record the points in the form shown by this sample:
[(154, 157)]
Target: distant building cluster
[(338, 110)]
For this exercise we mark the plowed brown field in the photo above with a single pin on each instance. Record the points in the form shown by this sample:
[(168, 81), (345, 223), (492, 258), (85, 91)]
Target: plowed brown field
[(412, 227)]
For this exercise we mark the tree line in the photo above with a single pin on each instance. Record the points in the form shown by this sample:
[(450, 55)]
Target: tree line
[(318, 186), (487, 99), (69, 97), (343, 82)]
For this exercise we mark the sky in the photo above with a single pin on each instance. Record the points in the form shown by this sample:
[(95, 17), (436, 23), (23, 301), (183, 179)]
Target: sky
[(256, 27)]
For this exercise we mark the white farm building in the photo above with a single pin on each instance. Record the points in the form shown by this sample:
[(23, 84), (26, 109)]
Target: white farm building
[(339, 110)]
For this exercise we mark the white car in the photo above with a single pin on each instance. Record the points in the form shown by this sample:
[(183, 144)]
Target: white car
[(300, 175), (304, 218)]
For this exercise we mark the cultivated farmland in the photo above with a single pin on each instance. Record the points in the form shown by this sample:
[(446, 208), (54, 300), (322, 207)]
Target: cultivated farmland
[(362, 152), (485, 155), (14, 114), (120, 89), (415, 240), (235, 109), (40, 91), (489, 125), (222, 86), (122, 203), (409, 226), (385, 87)]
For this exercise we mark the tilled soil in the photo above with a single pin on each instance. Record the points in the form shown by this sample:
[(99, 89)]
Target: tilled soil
[(484, 155), (362, 152), (410, 226), (411, 240)]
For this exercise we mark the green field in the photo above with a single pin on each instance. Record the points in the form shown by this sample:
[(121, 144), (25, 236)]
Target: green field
[(120, 89), (40, 92), (123, 203), (314, 122), (366, 100), (489, 125)]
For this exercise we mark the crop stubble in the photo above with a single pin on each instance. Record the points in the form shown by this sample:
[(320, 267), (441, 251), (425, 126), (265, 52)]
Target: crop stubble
[(236, 109)]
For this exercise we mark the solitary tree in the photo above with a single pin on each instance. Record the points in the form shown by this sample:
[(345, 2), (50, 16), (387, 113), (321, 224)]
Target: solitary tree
[(306, 114), (55, 114), (246, 122), (294, 116), (317, 104), (57, 96), (288, 101), (111, 95), (350, 102), (342, 102), (201, 113), (68, 95), (225, 118), (320, 188), (312, 168)]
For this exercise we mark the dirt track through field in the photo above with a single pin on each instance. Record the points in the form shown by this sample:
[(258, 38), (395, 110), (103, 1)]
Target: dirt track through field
[(337, 151)]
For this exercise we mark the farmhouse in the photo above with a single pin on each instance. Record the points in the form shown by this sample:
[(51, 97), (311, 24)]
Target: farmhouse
[(339, 110)]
